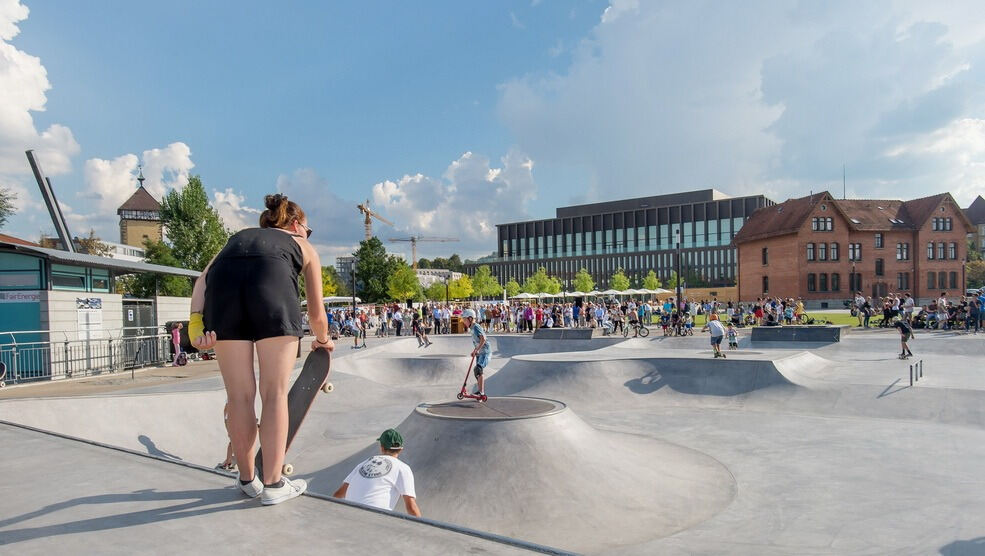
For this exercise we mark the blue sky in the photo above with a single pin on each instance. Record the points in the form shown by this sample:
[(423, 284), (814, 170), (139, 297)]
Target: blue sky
[(454, 116)]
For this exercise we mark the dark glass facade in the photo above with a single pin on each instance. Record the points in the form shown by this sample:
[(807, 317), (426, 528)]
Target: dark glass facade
[(637, 235)]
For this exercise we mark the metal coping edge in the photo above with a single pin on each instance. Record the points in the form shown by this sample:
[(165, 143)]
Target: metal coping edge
[(510, 541)]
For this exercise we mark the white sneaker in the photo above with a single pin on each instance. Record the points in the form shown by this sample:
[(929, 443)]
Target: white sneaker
[(252, 488), (291, 489)]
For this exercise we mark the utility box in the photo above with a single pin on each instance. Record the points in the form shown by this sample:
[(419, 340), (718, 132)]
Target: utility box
[(457, 324)]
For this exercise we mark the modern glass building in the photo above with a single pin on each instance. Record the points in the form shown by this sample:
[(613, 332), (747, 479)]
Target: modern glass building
[(637, 235)]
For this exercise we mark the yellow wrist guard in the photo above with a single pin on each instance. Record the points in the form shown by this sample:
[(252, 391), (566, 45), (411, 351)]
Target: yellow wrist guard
[(196, 327)]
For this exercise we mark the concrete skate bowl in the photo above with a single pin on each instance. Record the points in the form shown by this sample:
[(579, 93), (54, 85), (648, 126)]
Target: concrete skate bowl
[(607, 382), (185, 426), (423, 369), (550, 477), (503, 346)]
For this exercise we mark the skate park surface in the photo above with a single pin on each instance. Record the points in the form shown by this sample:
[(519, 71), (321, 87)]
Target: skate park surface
[(602, 446)]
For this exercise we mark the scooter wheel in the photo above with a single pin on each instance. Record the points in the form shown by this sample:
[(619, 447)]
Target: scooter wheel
[(461, 396)]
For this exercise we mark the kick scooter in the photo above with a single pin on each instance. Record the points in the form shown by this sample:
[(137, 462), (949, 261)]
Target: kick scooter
[(464, 393)]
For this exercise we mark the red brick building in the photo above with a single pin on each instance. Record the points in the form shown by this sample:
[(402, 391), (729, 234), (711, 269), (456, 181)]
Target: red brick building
[(824, 249)]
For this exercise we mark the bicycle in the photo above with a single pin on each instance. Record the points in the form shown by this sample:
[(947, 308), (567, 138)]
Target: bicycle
[(638, 329)]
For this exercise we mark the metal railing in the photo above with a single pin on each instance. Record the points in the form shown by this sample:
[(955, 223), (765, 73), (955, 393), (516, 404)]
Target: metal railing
[(29, 360)]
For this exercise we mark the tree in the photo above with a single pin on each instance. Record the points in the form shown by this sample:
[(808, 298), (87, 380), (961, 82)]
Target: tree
[(403, 284), (194, 229), (461, 288), (540, 282), (7, 208), (973, 253), (373, 270), (975, 274), (512, 287), (651, 282), (485, 284), (423, 263), (583, 282), (150, 284), (93, 246), (436, 291), (619, 280), (672, 281)]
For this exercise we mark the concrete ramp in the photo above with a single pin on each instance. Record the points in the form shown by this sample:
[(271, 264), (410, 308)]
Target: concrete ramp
[(427, 368), (614, 381), (549, 477), (185, 426)]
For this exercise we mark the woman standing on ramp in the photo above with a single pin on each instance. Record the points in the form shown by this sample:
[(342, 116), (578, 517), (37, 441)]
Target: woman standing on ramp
[(247, 297)]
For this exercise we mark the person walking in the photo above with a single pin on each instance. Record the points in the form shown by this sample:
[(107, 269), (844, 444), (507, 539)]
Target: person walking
[(381, 481), (176, 342), (717, 333), (246, 299)]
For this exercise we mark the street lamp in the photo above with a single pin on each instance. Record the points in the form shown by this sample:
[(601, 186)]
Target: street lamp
[(353, 274), (447, 276), (678, 234)]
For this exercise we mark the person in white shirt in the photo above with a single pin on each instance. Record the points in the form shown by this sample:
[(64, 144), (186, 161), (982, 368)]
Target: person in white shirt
[(717, 333), (381, 481)]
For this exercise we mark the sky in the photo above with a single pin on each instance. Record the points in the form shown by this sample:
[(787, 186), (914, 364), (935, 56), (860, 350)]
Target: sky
[(451, 117)]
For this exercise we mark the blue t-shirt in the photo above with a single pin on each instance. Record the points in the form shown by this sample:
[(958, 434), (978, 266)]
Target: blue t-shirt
[(477, 336)]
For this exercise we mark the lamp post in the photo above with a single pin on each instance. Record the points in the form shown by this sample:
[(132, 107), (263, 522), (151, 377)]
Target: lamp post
[(353, 274), (447, 276), (678, 299)]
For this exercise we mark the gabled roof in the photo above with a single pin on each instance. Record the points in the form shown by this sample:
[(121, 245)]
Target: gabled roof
[(140, 200), (862, 215), (874, 214), (780, 219), (16, 240), (976, 212)]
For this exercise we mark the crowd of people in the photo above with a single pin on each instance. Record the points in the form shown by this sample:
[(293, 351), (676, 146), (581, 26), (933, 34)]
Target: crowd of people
[(940, 314)]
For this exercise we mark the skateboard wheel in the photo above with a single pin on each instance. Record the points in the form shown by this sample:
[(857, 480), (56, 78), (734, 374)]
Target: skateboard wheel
[(287, 469), (461, 396), (327, 387), (3, 384)]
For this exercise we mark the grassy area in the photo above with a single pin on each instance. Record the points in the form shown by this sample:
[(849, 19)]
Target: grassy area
[(839, 318)]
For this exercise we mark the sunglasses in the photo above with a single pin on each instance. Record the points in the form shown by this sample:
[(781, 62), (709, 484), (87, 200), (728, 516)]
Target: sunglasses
[(307, 229)]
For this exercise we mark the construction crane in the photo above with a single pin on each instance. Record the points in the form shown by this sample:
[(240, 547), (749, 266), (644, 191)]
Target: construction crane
[(413, 243), (370, 214)]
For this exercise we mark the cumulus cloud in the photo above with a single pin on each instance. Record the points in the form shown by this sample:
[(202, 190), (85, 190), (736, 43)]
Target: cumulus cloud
[(24, 82), (235, 214), (762, 96), (467, 202), (109, 183)]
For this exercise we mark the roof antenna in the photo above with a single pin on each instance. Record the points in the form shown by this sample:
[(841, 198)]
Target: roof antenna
[(843, 182)]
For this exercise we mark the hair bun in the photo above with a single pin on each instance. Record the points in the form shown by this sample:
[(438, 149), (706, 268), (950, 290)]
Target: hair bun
[(273, 202)]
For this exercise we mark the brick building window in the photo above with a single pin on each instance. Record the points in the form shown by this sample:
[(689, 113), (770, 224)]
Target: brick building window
[(766, 256), (940, 250), (822, 251), (936, 225), (930, 251), (854, 281), (952, 251), (902, 251), (942, 279), (902, 281), (823, 282), (810, 251), (947, 226), (834, 251), (766, 284), (835, 282), (879, 244), (855, 251), (811, 282), (953, 282), (879, 267), (819, 224), (931, 280)]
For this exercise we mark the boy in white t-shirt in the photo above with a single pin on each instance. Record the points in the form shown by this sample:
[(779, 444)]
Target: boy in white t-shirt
[(382, 480)]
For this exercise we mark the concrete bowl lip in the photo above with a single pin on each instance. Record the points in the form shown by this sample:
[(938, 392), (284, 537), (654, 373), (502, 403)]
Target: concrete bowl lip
[(559, 406)]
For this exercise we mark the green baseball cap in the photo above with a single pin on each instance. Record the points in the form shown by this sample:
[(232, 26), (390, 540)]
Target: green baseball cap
[(391, 439)]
